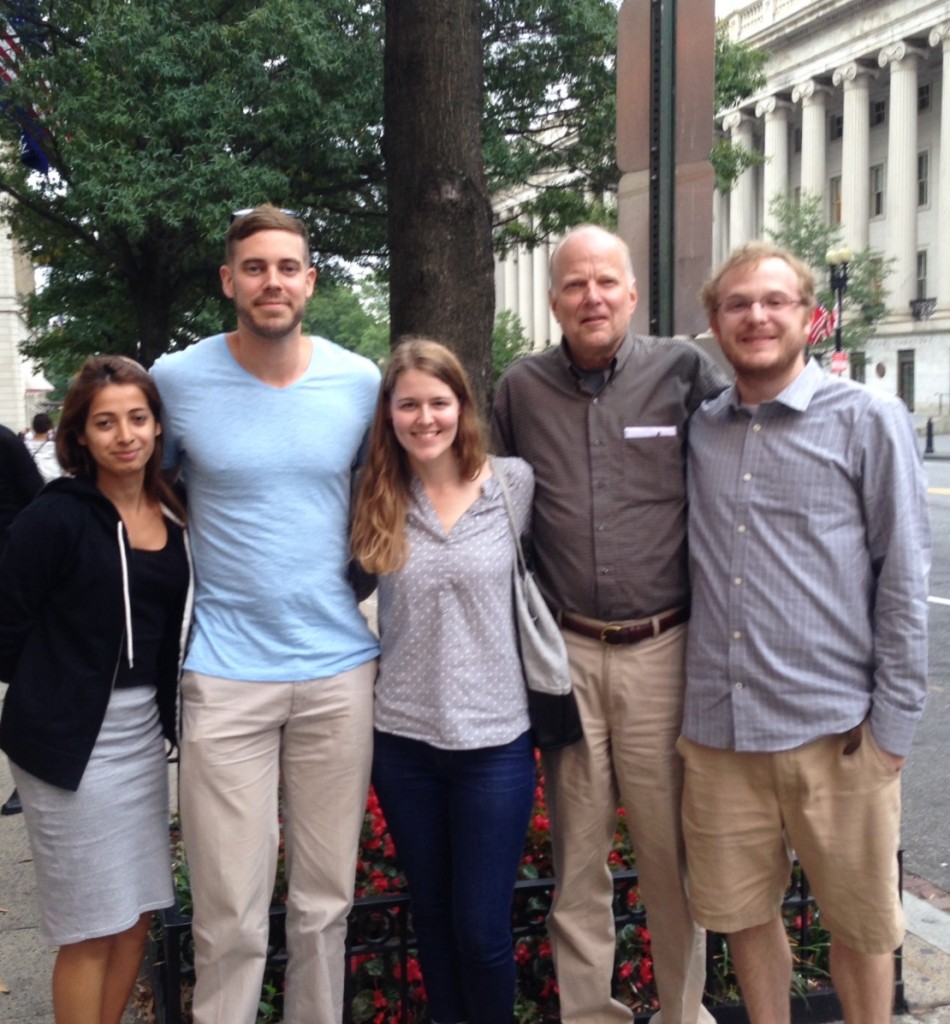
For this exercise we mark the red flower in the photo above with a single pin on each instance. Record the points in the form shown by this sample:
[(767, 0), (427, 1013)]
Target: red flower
[(646, 971)]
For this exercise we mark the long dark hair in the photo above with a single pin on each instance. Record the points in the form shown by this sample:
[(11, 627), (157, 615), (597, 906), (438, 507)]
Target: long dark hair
[(96, 373)]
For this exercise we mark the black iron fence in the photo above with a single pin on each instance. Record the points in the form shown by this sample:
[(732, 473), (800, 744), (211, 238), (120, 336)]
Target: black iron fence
[(380, 932)]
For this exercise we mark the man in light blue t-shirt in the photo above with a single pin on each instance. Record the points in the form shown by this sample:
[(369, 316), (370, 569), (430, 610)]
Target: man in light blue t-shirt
[(266, 425)]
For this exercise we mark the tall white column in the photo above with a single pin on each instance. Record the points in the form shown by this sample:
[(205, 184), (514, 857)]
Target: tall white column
[(901, 181), (742, 199), (539, 296), (855, 189), (16, 278), (511, 281), (940, 36), (525, 283), (775, 171), (813, 98)]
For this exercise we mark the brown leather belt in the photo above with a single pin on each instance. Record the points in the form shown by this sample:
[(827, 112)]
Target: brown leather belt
[(616, 633)]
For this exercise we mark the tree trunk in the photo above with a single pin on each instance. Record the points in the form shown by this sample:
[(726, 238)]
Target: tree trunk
[(442, 273)]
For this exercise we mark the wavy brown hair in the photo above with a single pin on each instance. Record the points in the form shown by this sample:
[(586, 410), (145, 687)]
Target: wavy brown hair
[(751, 255), (378, 538), (96, 373)]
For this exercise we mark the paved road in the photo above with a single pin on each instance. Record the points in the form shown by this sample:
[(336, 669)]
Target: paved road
[(926, 828)]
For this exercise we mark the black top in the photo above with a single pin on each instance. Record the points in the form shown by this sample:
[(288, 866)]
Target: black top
[(20, 480), (156, 581), (63, 630)]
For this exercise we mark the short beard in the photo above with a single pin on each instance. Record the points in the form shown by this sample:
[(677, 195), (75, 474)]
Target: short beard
[(270, 333)]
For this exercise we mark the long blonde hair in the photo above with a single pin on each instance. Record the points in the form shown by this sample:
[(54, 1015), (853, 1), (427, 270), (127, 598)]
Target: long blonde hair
[(378, 536)]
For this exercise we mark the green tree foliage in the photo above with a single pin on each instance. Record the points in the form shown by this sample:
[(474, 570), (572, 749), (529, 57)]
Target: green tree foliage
[(740, 72), (160, 118), (351, 316), (804, 231), (509, 341), (551, 111)]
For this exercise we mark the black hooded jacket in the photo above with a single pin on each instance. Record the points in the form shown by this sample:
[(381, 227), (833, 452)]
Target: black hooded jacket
[(64, 614)]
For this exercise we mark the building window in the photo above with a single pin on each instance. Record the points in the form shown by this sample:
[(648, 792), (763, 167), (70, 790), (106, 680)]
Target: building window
[(796, 140), (859, 361), (922, 274), (923, 97), (905, 377), (877, 191), (923, 178), (836, 126), (878, 113), (834, 199)]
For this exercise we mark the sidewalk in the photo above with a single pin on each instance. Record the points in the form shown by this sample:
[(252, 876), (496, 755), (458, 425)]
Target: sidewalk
[(25, 965)]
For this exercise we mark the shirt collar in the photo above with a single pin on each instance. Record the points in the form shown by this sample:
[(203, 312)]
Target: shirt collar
[(577, 374), (796, 396)]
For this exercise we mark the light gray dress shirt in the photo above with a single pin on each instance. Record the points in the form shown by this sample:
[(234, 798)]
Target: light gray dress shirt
[(449, 670), (809, 553)]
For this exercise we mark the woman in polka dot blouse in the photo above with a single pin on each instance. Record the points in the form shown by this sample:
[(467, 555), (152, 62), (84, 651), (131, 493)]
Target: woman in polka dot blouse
[(453, 765)]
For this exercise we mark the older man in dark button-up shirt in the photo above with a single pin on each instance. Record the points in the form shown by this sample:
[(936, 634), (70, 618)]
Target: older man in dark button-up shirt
[(602, 420)]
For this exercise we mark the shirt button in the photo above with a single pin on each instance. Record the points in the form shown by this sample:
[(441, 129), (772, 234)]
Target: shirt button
[(601, 527), (738, 581), (757, 427), (737, 635), (741, 528), (746, 476), (595, 401), (738, 686)]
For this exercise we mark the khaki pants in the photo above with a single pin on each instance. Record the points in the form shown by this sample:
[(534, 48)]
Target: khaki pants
[(237, 739), (631, 705)]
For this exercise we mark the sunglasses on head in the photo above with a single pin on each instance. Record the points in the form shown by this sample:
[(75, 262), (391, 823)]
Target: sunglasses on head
[(251, 209)]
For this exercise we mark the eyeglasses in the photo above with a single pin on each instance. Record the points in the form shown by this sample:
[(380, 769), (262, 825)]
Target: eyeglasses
[(235, 214), (739, 305)]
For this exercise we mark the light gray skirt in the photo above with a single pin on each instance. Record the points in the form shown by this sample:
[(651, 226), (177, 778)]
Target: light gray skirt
[(102, 853)]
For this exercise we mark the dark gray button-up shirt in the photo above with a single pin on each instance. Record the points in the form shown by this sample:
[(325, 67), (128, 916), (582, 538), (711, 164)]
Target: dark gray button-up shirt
[(609, 525)]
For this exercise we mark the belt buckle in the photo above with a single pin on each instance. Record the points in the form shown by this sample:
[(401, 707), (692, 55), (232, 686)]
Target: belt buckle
[(608, 631)]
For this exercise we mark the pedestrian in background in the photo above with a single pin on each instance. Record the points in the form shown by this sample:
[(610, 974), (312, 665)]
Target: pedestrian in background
[(42, 447), (809, 546), (453, 766), (93, 592), (20, 482)]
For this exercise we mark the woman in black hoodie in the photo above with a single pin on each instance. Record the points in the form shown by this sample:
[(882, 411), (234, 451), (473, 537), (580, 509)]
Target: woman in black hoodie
[(95, 585)]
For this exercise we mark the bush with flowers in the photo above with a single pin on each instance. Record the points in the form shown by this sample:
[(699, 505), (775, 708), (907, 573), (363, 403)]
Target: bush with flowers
[(381, 994)]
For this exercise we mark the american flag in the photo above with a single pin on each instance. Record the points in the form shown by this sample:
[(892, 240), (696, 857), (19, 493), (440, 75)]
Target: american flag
[(823, 324), (31, 131)]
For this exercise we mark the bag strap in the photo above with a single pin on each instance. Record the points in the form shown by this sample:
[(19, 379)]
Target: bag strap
[(509, 508)]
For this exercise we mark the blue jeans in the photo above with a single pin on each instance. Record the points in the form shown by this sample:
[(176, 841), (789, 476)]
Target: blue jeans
[(458, 819)]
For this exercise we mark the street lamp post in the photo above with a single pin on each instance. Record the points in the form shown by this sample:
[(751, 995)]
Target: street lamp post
[(838, 260)]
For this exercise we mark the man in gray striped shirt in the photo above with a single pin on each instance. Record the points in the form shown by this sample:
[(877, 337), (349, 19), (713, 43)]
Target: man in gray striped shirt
[(807, 651)]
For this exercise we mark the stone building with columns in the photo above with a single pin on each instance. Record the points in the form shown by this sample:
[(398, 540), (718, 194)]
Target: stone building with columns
[(22, 392), (856, 110)]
